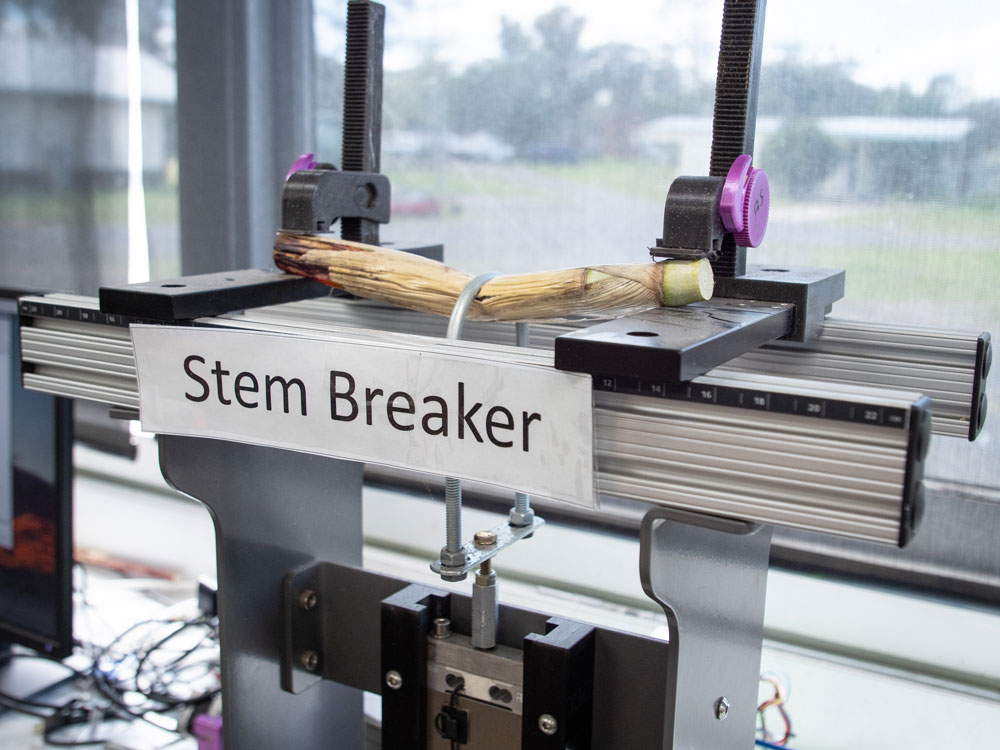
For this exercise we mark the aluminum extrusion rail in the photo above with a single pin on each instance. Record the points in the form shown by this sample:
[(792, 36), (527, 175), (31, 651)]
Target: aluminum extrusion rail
[(823, 456), (948, 366)]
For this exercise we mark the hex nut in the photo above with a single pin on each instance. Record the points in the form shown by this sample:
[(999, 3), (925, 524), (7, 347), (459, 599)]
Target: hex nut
[(548, 724), (521, 518), (451, 559), (394, 679)]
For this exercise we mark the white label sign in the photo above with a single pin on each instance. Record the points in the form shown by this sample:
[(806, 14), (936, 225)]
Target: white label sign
[(519, 426)]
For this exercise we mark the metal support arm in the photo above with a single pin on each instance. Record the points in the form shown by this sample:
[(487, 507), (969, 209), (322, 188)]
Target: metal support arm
[(274, 511), (710, 575)]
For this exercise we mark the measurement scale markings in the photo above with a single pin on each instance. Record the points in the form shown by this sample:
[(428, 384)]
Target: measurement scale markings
[(746, 398)]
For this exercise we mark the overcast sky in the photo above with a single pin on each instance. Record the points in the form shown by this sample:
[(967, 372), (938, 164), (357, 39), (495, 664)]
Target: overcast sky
[(888, 41)]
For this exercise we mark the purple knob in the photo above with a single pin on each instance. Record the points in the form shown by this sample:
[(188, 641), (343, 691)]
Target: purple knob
[(208, 731), (306, 161), (746, 199)]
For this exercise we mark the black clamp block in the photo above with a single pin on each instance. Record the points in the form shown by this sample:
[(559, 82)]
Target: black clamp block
[(558, 687), (912, 511), (812, 290), (313, 199), (405, 621), (692, 226), (190, 297), (984, 360), (671, 345), (452, 723)]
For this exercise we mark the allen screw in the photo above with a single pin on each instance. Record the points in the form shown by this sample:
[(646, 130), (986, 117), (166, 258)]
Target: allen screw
[(309, 660), (308, 599)]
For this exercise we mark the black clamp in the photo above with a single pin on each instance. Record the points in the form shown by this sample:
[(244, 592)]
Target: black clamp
[(452, 722), (313, 199), (692, 225), (715, 217)]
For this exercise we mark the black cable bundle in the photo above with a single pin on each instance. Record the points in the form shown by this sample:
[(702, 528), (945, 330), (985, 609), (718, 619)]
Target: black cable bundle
[(108, 696)]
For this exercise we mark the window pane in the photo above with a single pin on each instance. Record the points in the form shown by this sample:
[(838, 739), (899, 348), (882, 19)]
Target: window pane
[(543, 137), (884, 153), (64, 142)]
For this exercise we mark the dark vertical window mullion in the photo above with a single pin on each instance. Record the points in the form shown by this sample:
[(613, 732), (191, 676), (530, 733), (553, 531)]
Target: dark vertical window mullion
[(244, 100)]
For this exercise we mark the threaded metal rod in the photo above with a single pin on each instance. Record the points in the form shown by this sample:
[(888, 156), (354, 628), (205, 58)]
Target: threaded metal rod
[(453, 486), (453, 514), (521, 514)]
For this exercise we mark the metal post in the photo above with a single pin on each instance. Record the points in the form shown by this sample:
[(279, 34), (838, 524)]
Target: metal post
[(710, 576), (274, 512)]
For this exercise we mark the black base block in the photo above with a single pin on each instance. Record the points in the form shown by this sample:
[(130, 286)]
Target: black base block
[(204, 295), (673, 344), (812, 290), (189, 297)]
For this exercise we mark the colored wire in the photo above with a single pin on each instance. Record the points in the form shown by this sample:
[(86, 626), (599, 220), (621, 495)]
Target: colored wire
[(777, 701), (764, 743)]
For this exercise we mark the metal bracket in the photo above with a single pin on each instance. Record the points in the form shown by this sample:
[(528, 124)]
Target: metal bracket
[(709, 575), (259, 539), (474, 556), (344, 615)]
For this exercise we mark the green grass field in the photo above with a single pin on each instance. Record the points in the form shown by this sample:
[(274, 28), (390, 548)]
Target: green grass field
[(894, 250), (99, 207)]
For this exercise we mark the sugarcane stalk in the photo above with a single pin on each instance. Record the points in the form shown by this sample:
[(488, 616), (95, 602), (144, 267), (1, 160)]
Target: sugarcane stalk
[(426, 285)]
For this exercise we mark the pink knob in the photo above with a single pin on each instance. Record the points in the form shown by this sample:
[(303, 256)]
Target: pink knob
[(306, 161), (746, 200)]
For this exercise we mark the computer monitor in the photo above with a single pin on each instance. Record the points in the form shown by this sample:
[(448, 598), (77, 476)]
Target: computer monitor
[(36, 545)]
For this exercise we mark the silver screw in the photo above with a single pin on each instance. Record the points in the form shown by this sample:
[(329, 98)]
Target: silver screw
[(309, 660), (548, 724), (441, 628), (394, 679), (485, 539), (308, 599), (721, 708)]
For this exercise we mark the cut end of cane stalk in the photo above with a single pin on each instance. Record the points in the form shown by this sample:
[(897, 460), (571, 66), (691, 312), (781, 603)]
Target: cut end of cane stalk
[(686, 281)]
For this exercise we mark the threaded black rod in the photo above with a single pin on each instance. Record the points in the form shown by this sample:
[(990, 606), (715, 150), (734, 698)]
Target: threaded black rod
[(735, 118), (362, 144)]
